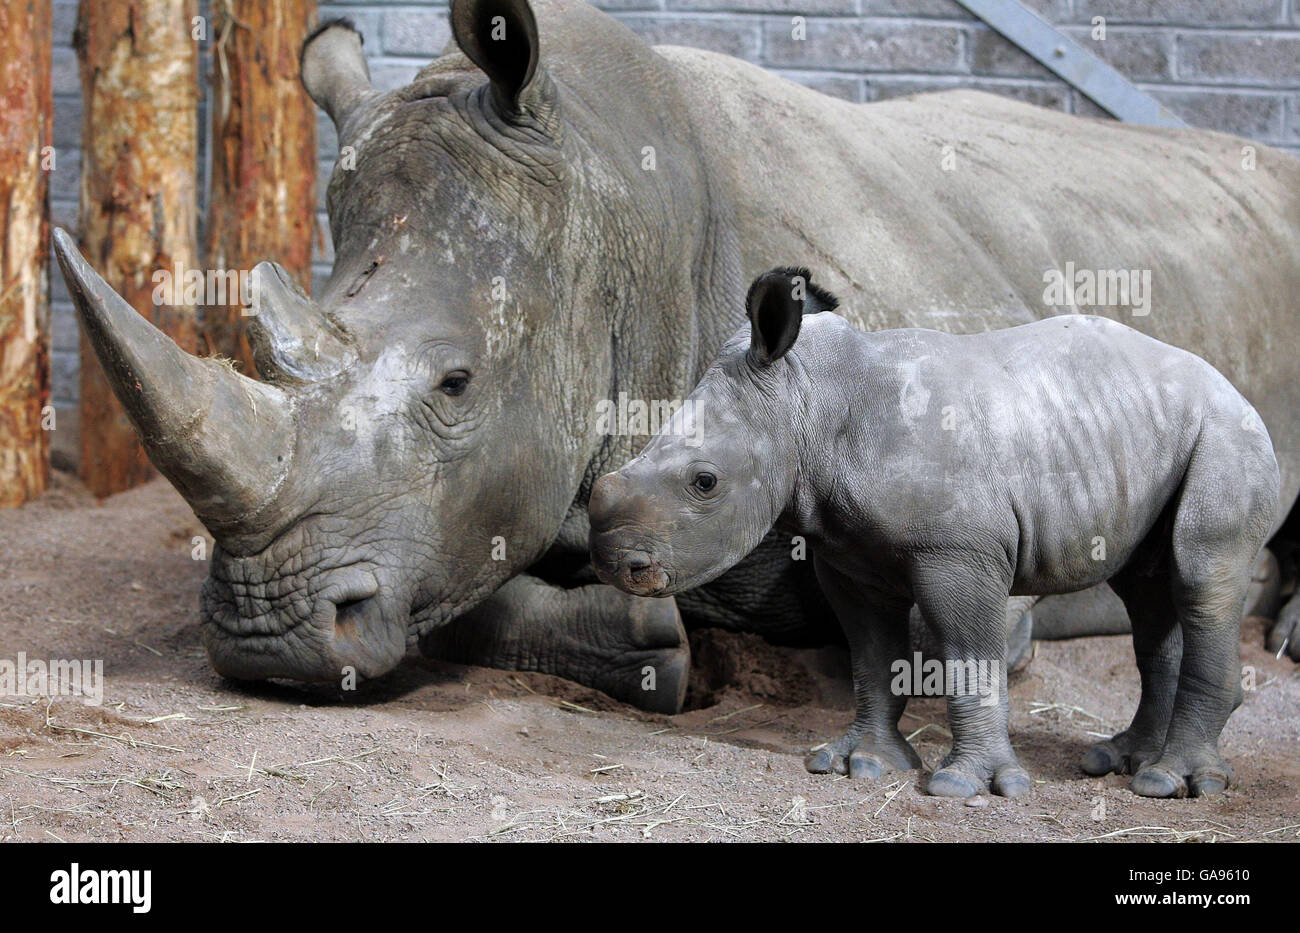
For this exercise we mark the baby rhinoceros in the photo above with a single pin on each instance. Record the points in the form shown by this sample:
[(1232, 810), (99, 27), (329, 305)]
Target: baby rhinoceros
[(951, 472)]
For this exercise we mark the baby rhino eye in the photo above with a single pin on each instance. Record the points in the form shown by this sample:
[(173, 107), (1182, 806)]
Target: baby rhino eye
[(705, 482)]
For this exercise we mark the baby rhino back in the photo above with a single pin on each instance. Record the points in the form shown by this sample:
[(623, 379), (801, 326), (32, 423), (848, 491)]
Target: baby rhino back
[(1095, 427)]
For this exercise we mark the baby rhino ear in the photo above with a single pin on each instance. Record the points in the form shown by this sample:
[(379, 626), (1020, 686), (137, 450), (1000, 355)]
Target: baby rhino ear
[(776, 304)]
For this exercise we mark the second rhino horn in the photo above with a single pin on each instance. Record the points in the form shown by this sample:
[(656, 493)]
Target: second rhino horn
[(292, 341)]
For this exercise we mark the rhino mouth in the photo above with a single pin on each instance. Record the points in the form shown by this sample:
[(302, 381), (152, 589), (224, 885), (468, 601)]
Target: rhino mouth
[(633, 569), (347, 626)]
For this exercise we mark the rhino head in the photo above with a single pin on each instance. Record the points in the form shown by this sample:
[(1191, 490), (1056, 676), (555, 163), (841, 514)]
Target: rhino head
[(421, 429)]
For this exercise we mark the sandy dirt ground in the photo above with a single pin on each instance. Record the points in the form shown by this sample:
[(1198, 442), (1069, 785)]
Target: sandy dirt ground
[(439, 751)]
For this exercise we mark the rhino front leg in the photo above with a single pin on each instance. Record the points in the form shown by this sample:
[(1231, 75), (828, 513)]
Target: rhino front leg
[(877, 632), (630, 647), (966, 605), (1021, 632)]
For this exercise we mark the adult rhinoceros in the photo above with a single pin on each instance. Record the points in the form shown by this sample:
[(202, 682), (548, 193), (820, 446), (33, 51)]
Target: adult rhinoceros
[(559, 214)]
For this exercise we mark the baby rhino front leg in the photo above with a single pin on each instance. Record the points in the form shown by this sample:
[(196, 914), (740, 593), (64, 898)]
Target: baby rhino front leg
[(964, 602), (877, 633)]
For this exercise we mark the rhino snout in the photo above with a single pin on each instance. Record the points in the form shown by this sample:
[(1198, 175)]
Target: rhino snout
[(641, 574), (609, 500), (622, 555), (349, 626), (632, 570)]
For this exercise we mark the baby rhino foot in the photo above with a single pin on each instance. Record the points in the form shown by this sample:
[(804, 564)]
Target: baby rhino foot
[(966, 777), (1123, 753), (867, 757), (1173, 776)]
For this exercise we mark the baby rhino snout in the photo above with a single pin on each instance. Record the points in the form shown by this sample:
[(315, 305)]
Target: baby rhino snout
[(623, 555)]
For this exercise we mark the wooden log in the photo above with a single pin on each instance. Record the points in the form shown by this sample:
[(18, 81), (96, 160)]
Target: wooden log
[(139, 82), (25, 159), (262, 203)]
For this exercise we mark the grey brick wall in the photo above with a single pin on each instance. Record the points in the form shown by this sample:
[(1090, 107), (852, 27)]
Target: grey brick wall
[(1231, 65)]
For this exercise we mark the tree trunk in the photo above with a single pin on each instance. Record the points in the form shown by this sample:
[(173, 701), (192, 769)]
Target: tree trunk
[(25, 113), (139, 86), (263, 199)]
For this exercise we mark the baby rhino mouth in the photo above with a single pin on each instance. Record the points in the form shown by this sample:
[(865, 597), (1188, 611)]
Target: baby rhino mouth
[(641, 575), (633, 570), (318, 630)]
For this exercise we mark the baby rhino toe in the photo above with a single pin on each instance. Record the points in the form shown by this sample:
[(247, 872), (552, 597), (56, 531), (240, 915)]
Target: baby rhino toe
[(1012, 781), (1183, 772), (868, 757), (1207, 782), (1102, 758), (965, 779), (1121, 754), (867, 765), (1154, 781), (826, 759), (1171, 777), (949, 782), (874, 757)]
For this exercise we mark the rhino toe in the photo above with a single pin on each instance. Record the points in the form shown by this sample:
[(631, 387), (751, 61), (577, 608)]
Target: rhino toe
[(1157, 781), (1284, 636)]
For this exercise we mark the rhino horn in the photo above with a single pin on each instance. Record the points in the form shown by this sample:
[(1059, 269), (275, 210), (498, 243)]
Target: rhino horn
[(225, 441), (293, 342)]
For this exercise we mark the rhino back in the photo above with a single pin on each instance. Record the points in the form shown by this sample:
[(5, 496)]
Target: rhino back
[(859, 193)]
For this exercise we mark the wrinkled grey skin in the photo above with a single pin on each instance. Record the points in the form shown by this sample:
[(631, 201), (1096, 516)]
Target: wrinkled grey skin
[(498, 222), (1064, 433)]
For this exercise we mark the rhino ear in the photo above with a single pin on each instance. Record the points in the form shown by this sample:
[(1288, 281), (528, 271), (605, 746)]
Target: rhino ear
[(775, 311), (776, 304), (500, 37), (815, 298), (334, 69)]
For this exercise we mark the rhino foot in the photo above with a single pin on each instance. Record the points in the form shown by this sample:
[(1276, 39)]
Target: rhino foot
[(967, 776), (863, 757), (1123, 753), (630, 647), (1203, 775), (1284, 636)]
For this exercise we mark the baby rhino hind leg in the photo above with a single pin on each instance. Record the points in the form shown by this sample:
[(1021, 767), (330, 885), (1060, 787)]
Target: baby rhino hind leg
[(1223, 515), (1158, 648)]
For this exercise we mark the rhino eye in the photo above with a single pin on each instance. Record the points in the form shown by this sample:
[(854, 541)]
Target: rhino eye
[(705, 482), (455, 384)]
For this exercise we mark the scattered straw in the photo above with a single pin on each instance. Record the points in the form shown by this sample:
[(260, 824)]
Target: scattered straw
[(931, 726), (1193, 835), (1282, 829), (574, 706), (124, 738), (890, 798)]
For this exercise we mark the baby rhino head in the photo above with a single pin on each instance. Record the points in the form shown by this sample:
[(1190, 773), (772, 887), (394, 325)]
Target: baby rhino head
[(710, 484)]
